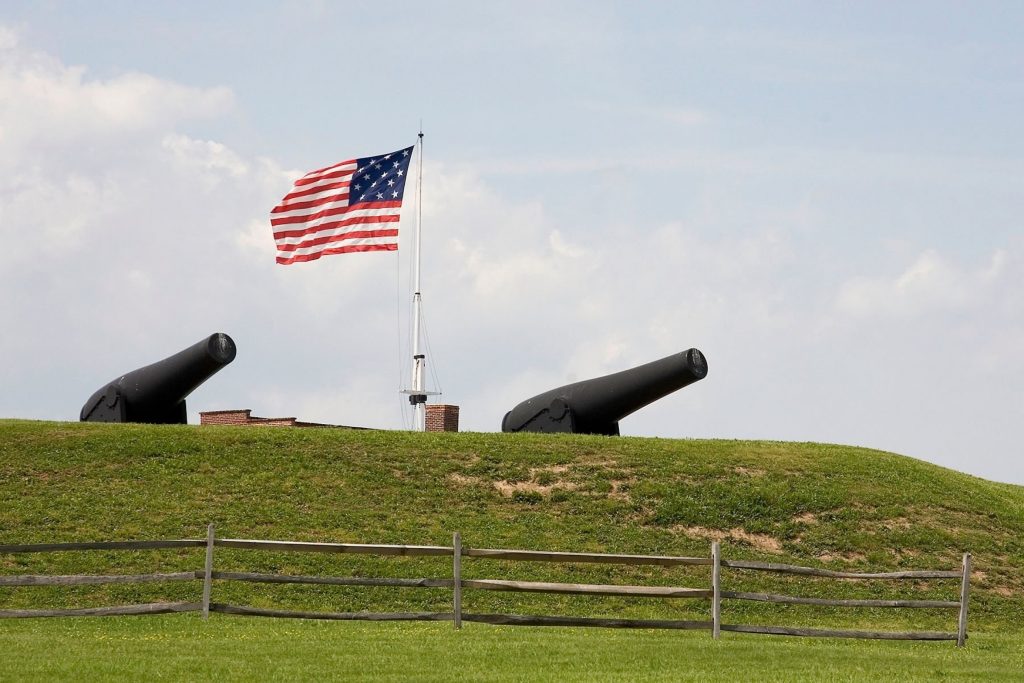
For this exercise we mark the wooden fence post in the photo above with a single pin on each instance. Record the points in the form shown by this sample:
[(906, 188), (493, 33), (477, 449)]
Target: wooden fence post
[(716, 588), (208, 572), (965, 587), (457, 579)]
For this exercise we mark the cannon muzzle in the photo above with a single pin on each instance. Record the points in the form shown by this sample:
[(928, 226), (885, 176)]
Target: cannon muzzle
[(156, 393), (595, 406)]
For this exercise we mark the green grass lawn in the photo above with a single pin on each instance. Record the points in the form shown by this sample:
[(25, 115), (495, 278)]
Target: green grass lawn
[(183, 647)]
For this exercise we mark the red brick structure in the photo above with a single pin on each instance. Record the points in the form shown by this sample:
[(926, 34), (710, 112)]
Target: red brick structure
[(442, 418), (245, 417)]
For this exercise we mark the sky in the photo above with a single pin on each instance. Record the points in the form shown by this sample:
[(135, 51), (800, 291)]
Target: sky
[(827, 199)]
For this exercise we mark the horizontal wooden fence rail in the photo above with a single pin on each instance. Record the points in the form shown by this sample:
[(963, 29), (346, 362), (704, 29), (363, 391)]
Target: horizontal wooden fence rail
[(101, 579), (457, 584), (120, 610), (960, 636), (93, 579), (828, 633), (338, 548), (358, 548), (335, 616), (603, 558), (537, 620), (334, 580), (828, 573), (827, 602), (102, 545), (587, 589)]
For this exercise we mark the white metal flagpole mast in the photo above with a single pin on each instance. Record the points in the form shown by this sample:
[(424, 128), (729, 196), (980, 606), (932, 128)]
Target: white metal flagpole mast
[(418, 396)]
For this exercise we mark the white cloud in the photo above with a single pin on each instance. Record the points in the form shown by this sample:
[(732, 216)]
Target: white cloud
[(52, 212), (8, 38), (47, 104), (211, 158), (930, 284), (114, 242)]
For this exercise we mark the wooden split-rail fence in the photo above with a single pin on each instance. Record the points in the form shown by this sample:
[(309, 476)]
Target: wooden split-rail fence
[(458, 552)]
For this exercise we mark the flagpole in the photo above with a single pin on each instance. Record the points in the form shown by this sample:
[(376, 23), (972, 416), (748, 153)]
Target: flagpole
[(418, 396)]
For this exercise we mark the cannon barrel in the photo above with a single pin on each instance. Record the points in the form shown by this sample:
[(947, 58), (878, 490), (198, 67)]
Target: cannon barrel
[(156, 393), (595, 406)]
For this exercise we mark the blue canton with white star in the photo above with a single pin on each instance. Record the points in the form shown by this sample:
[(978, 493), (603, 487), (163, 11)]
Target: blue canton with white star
[(380, 179)]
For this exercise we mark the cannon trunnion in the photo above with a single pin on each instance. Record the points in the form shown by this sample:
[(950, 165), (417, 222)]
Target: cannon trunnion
[(156, 393), (595, 406)]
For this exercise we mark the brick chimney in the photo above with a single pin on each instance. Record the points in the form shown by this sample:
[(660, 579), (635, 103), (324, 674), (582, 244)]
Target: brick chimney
[(442, 418)]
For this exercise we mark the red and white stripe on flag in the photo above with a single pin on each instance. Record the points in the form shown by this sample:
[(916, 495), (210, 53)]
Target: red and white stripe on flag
[(352, 206)]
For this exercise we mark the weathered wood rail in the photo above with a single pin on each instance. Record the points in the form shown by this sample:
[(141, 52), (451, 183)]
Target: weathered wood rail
[(457, 585)]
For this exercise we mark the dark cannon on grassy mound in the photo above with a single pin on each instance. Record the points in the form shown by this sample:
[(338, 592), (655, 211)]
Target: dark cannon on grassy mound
[(595, 406), (156, 393)]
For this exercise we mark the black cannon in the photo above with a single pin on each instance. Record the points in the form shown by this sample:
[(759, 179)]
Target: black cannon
[(156, 393), (595, 406)]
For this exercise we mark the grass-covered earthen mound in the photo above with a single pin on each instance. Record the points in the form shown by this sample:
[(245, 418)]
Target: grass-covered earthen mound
[(812, 504)]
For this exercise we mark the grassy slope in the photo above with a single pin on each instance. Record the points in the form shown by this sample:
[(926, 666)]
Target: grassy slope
[(812, 504)]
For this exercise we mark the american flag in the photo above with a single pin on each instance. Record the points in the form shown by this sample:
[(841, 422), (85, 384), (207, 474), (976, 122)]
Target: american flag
[(350, 206)]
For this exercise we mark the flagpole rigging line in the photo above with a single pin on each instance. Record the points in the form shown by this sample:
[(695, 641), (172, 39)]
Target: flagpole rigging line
[(428, 350), (400, 344)]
